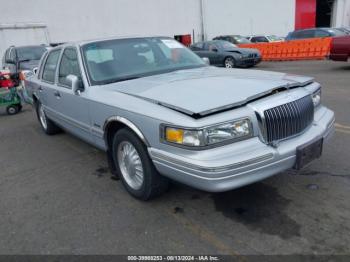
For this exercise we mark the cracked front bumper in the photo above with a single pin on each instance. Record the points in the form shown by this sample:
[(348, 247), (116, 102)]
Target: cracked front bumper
[(238, 164)]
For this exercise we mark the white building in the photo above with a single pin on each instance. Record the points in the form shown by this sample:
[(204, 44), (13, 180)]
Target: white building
[(48, 21)]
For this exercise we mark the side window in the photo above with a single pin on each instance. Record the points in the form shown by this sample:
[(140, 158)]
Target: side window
[(229, 39), (5, 58), (50, 66), (40, 68), (297, 35), (306, 34), (212, 47), (321, 33), (12, 54), (69, 66), (259, 39), (197, 46)]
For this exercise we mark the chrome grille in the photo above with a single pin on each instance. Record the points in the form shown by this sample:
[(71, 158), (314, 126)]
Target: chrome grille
[(289, 119)]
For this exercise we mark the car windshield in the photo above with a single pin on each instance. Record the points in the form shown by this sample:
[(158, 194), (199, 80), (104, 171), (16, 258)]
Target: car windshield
[(241, 39), (30, 53), (123, 59)]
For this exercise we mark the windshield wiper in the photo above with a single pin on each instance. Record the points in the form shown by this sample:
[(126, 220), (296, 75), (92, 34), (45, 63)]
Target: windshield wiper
[(119, 80)]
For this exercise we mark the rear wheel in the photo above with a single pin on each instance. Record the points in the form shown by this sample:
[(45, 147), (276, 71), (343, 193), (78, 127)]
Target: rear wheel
[(135, 168), (12, 109), (49, 127), (230, 62)]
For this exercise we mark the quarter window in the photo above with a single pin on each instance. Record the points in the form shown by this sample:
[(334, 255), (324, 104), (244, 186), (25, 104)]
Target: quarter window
[(69, 66), (50, 66)]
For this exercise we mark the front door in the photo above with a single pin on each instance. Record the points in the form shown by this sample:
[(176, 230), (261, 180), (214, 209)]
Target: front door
[(72, 107)]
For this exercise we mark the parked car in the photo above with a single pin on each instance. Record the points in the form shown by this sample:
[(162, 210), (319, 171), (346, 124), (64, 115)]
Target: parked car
[(264, 38), (314, 33), (18, 58), (160, 112), (234, 39), (340, 48), (344, 29), (223, 53)]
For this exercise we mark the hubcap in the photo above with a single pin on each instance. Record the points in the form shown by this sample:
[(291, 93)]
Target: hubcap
[(12, 110), (42, 117), (229, 63), (130, 165)]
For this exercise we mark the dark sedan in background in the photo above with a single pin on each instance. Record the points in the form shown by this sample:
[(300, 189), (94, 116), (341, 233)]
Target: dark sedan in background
[(18, 58), (314, 33), (234, 39), (223, 53)]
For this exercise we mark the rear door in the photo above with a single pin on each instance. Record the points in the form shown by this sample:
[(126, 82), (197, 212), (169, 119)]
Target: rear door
[(47, 87), (213, 53)]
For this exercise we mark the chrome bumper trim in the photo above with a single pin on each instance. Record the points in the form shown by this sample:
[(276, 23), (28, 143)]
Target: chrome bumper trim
[(161, 157)]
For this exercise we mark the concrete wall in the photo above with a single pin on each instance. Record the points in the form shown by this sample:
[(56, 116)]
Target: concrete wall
[(249, 17), (69, 20), (341, 13)]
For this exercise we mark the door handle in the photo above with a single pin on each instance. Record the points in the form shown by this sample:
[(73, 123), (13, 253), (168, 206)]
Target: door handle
[(40, 89), (57, 94)]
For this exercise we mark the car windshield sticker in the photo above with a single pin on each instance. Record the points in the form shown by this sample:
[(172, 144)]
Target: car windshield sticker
[(172, 43)]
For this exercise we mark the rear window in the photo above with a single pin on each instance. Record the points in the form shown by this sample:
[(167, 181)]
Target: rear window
[(30, 53)]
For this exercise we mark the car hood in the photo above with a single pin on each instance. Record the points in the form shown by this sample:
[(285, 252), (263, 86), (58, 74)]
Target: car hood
[(202, 91)]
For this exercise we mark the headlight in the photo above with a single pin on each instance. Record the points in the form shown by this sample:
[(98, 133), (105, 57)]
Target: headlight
[(207, 136), (316, 97)]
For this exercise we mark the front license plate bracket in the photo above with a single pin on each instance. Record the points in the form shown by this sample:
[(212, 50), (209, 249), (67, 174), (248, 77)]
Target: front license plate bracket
[(308, 152)]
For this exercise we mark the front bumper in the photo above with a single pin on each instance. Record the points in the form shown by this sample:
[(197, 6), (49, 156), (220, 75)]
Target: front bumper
[(238, 164), (248, 61)]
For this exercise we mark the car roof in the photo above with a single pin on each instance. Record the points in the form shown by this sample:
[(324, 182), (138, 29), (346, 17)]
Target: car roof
[(314, 28), (28, 46), (84, 42)]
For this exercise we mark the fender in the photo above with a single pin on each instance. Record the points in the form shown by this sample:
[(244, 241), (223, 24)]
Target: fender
[(126, 122)]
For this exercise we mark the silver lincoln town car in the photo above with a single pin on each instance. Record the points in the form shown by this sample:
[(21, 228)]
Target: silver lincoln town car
[(160, 112)]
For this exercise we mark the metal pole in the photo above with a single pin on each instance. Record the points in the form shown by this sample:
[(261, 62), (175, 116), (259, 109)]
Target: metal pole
[(202, 11)]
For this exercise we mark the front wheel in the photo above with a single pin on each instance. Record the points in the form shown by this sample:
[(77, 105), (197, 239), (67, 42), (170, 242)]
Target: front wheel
[(229, 62), (49, 127), (135, 168)]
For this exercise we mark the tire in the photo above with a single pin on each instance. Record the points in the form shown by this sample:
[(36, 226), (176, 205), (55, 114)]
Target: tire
[(229, 62), (135, 168), (12, 110), (48, 126)]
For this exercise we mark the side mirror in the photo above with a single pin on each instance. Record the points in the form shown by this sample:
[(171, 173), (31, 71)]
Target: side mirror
[(206, 60), (10, 61), (75, 83)]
